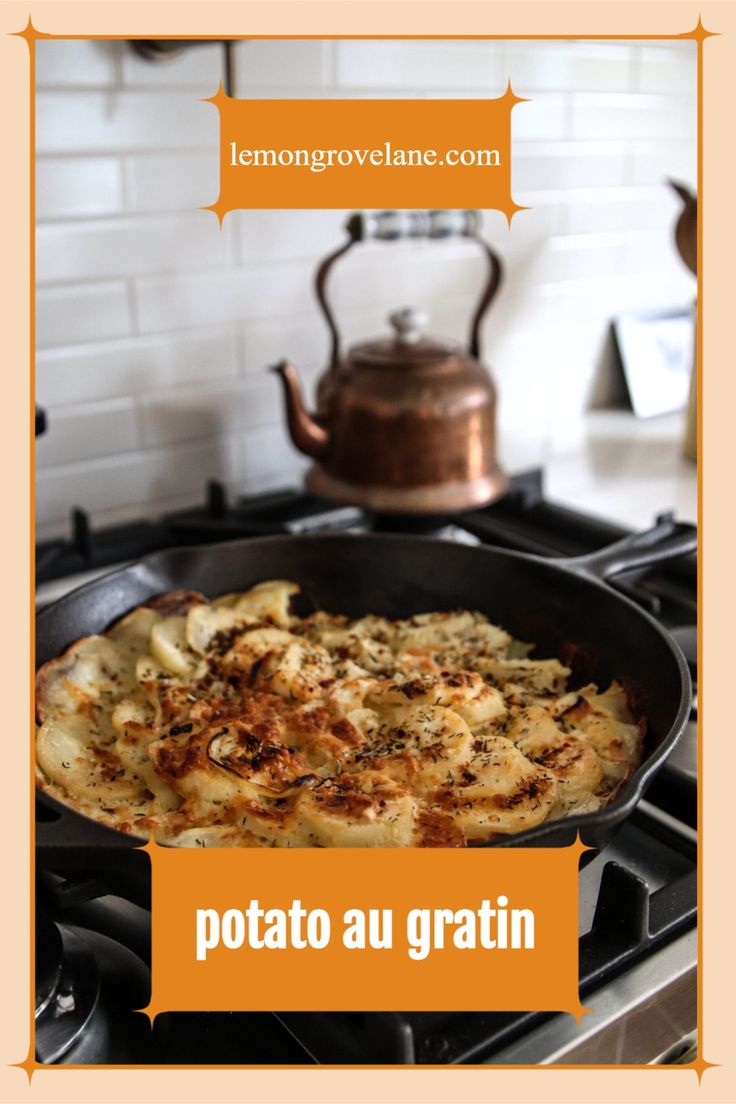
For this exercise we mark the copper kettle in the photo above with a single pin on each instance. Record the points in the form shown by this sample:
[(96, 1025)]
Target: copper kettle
[(405, 423)]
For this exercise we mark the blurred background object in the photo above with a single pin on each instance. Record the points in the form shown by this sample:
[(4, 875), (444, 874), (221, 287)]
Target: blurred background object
[(686, 238), (686, 230)]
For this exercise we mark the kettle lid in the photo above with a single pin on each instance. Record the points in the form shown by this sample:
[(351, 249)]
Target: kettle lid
[(408, 345)]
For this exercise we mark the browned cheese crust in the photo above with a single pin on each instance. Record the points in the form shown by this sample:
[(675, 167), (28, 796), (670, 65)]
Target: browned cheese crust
[(236, 723)]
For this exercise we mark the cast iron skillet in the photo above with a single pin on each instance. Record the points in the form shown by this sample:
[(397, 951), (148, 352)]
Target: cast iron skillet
[(564, 606)]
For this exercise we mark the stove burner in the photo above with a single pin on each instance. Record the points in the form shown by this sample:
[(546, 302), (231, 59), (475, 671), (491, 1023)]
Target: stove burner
[(86, 985)]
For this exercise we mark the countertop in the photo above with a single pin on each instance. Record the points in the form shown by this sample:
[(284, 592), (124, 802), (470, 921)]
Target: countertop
[(613, 464)]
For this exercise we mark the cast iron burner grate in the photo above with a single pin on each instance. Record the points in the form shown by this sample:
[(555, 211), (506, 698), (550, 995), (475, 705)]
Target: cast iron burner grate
[(521, 520)]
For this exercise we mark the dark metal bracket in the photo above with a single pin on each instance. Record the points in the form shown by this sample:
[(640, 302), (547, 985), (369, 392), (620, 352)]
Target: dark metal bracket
[(162, 48)]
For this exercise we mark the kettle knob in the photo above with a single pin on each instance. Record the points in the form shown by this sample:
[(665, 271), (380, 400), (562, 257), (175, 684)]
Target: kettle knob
[(409, 324)]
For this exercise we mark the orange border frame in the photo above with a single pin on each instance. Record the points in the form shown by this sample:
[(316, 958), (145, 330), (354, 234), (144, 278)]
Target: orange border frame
[(698, 34)]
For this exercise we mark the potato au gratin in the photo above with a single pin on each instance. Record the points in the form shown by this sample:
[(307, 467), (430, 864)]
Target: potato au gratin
[(237, 723)]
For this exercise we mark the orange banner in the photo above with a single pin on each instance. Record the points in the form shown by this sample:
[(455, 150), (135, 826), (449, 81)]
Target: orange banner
[(365, 930), (365, 154)]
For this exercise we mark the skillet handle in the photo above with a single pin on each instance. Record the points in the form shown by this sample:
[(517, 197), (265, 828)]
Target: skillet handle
[(666, 540)]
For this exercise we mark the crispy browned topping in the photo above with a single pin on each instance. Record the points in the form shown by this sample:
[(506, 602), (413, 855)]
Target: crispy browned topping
[(239, 724)]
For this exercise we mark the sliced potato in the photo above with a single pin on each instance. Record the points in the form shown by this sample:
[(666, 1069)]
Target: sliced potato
[(426, 629), (205, 622), (498, 791), (349, 694), (465, 692), (265, 763), (356, 810), (613, 702), (204, 782), (170, 647), (420, 747), (92, 670), (606, 722), (266, 602), (68, 755), (617, 745), (301, 671), (133, 713), (253, 644), (218, 835), (573, 761), (133, 631), (547, 676)]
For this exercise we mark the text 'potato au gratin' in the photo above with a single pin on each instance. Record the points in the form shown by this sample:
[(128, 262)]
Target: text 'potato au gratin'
[(236, 723)]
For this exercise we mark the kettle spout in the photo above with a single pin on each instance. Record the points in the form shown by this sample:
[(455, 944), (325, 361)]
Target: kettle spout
[(308, 436)]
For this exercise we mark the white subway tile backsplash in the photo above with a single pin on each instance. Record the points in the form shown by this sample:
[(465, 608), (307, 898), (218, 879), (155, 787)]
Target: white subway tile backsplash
[(262, 64), (78, 187), (210, 410), (199, 67), (202, 299), (591, 210), (570, 257), (133, 478), (127, 247), (81, 312), (669, 68), (304, 341), (560, 165), (261, 453), (653, 251), (288, 235), (657, 161), (576, 302), (155, 328), (386, 280), (81, 122), (542, 218), (87, 431), (78, 62), (420, 65), (546, 349), (173, 181), (610, 115), (541, 118), (572, 66), (113, 369), (125, 485)]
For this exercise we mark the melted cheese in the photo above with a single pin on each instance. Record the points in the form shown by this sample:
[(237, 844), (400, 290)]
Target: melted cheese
[(236, 723)]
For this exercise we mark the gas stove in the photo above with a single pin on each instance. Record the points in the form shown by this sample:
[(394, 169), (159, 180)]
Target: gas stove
[(638, 898)]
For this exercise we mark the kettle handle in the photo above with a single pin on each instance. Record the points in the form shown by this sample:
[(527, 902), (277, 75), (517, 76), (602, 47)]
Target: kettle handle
[(396, 225)]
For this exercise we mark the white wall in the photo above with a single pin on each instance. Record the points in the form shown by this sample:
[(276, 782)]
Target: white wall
[(155, 326)]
